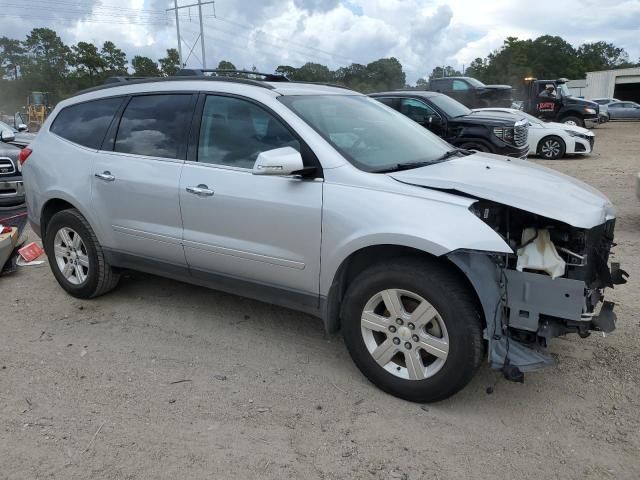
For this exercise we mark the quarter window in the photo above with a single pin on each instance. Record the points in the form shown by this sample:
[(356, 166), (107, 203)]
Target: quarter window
[(86, 123), (460, 85), (155, 125), (234, 132)]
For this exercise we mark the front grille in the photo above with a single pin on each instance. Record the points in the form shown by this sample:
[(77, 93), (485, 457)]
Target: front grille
[(6, 166), (521, 135)]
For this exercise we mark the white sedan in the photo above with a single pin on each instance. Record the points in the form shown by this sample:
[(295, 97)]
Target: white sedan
[(552, 140)]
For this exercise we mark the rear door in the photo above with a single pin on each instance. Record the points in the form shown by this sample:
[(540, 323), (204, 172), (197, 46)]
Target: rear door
[(259, 230), (461, 91), (137, 176)]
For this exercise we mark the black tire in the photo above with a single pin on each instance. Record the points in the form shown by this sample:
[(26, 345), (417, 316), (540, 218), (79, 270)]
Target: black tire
[(475, 146), (452, 299), (551, 148), (573, 120), (100, 278)]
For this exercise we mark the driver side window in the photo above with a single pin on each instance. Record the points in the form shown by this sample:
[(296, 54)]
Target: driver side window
[(416, 110), (233, 132)]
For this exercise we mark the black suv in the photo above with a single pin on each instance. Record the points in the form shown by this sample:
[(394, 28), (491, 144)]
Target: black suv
[(495, 132)]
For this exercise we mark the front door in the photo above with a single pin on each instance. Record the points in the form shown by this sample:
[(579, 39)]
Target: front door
[(136, 178), (420, 112), (242, 229)]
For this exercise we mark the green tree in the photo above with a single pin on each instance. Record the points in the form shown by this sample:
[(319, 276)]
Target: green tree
[(447, 71), (312, 72), (144, 67), (422, 83), (47, 58), (11, 56), (385, 74), (170, 65), (601, 56), (86, 59), (115, 60), (226, 65)]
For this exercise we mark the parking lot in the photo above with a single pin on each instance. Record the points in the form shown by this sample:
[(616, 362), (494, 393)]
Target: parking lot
[(161, 379)]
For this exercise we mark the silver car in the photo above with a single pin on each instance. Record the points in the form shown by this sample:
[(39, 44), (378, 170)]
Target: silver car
[(624, 110), (426, 257)]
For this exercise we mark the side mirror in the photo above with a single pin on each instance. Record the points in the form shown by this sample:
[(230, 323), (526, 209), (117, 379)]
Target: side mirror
[(22, 127), (279, 161), (7, 136), (433, 120)]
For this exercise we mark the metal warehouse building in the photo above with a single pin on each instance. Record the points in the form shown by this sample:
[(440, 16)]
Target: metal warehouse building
[(623, 84)]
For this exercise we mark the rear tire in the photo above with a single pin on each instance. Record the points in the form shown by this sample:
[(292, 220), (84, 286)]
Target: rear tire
[(76, 257), (429, 345), (551, 148)]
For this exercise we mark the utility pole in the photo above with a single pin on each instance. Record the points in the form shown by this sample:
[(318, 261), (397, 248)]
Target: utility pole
[(204, 57), (175, 3), (199, 5)]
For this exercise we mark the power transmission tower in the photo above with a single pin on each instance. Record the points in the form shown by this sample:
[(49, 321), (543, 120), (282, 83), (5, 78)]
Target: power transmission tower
[(199, 5)]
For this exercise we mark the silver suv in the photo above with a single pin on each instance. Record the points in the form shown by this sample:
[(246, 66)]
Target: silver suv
[(320, 199)]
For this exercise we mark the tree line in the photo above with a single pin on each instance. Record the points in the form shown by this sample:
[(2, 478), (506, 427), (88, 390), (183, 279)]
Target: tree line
[(43, 62), (547, 57)]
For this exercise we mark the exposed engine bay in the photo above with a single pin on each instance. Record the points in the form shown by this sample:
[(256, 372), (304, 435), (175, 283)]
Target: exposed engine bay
[(552, 284)]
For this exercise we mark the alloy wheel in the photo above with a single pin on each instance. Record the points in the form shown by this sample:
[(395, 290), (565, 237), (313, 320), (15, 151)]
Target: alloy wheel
[(551, 148), (71, 256), (405, 334)]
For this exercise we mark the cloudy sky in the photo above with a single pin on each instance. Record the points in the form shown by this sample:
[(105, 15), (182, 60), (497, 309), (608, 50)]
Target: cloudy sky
[(267, 33)]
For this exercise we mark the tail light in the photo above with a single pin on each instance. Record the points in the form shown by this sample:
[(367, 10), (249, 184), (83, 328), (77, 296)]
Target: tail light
[(24, 154)]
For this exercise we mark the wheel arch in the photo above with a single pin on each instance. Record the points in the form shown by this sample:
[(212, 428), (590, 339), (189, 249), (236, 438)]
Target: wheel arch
[(359, 260), (57, 204)]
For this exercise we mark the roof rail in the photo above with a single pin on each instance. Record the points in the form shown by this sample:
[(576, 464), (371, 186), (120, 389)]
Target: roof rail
[(120, 79), (141, 80), (218, 72)]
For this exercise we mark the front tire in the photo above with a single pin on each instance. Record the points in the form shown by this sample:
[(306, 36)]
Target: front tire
[(552, 148), (479, 147), (413, 328), (572, 120), (76, 257)]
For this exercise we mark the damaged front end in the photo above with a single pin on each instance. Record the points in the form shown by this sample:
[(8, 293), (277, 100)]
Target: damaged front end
[(551, 284)]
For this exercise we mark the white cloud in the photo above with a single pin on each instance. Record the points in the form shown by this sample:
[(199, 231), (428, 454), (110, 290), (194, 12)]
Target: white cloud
[(267, 33)]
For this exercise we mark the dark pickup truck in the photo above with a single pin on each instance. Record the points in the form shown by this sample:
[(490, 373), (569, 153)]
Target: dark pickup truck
[(473, 93), (494, 132), (11, 186)]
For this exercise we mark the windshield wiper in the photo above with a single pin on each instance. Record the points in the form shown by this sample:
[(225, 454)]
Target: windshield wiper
[(409, 165)]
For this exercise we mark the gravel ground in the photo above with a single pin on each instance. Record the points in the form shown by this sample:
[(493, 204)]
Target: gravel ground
[(165, 380)]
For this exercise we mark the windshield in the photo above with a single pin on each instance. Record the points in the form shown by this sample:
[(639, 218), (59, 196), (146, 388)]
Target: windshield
[(372, 136), (4, 126), (451, 107), (474, 82), (563, 90)]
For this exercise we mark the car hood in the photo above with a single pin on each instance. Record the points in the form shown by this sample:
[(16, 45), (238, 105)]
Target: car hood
[(571, 128), (490, 118), (498, 87), (517, 183)]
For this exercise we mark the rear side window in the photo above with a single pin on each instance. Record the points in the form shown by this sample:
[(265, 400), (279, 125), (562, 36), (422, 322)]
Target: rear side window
[(86, 123), (155, 125)]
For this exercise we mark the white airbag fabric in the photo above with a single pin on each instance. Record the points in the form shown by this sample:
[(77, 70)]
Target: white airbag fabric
[(540, 254)]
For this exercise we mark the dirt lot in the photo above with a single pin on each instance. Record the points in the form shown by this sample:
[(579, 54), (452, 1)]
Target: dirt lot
[(164, 380)]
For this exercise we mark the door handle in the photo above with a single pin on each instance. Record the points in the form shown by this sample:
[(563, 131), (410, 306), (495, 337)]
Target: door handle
[(201, 190), (106, 176)]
